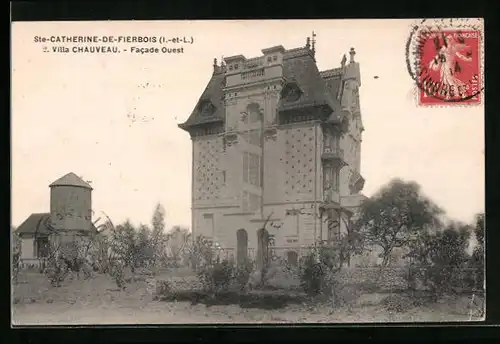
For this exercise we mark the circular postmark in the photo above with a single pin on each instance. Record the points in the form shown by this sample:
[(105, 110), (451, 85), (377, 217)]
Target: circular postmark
[(444, 57)]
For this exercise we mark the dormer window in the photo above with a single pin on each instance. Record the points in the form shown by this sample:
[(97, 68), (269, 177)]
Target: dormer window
[(291, 92), (206, 108)]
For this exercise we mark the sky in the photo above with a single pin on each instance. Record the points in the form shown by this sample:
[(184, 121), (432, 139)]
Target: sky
[(112, 118)]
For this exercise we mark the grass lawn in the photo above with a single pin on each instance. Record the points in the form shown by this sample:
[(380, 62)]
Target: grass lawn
[(98, 301)]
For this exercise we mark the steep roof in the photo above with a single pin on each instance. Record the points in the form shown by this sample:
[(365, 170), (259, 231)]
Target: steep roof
[(39, 223), (35, 223), (71, 179), (213, 94), (333, 80), (300, 68)]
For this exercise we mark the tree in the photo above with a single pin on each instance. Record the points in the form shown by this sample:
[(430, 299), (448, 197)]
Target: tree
[(124, 244), (158, 237), (477, 260), (16, 256), (479, 234), (441, 257), (178, 241), (144, 245), (393, 215), (319, 269), (158, 220)]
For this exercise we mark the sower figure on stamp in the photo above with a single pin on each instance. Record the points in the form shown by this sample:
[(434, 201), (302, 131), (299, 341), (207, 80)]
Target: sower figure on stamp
[(445, 62)]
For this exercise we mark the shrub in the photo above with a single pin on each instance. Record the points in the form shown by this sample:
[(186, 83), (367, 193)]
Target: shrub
[(398, 303), (56, 271), (117, 274), (162, 289), (243, 272), (441, 259), (200, 252), (216, 277), (16, 255), (312, 274)]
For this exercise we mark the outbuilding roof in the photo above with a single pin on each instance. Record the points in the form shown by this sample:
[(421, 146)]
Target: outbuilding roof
[(71, 179)]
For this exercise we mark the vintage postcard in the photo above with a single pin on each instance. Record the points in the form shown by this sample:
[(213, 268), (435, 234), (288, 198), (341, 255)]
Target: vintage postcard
[(277, 171)]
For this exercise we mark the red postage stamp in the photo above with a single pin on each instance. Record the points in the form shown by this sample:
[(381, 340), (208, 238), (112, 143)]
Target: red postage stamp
[(449, 67)]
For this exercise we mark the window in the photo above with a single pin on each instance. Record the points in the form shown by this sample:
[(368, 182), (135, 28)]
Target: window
[(335, 179), (251, 169), (206, 108), (275, 58), (252, 137), (291, 93), (224, 177), (250, 201), (42, 247), (235, 66), (208, 225), (269, 59), (253, 114)]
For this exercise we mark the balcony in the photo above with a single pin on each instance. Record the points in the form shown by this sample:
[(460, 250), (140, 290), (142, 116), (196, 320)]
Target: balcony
[(331, 199), (352, 201), (333, 155), (356, 182)]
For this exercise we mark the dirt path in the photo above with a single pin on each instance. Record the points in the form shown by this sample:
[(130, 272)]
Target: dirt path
[(97, 301), (185, 313)]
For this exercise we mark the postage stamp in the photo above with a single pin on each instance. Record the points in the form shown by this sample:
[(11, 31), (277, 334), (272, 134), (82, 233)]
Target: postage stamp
[(447, 62)]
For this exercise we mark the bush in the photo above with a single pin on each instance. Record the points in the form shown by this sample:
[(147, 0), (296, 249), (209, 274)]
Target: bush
[(16, 255), (216, 277), (243, 272), (57, 270), (398, 303), (201, 252), (441, 259), (117, 274), (312, 274), (162, 289)]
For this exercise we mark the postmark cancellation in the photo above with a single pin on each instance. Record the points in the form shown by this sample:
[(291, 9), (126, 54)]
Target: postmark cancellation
[(445, 59)]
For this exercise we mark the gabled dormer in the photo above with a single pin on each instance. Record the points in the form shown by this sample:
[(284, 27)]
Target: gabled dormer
[(291, 92), (206, 108)]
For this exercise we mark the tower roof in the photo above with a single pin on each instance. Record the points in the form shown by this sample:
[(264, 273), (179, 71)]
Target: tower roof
[(71, 179), (299, 68), (213, 95)]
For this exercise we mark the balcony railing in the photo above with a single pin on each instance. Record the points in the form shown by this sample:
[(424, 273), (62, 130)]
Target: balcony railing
[(352, 201), (333, 154), (331, 196)]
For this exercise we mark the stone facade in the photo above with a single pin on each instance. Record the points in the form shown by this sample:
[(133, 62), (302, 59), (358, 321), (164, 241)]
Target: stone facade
[(276, 141)]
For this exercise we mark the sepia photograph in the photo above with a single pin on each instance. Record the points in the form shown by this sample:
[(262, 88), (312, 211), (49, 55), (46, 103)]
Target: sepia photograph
[(247, 172)]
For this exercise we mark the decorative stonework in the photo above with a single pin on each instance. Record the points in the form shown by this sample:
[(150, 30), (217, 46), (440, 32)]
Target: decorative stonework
[(299, 163), (207, 174), (244, 116), (231, 139), (271, 134)]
